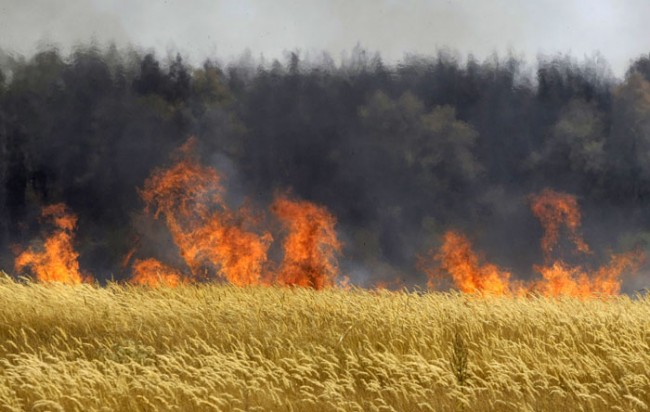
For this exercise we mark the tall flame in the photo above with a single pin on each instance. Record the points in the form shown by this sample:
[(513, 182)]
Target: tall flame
[(210, 237), (224, 243), (554, 209), (468, 272), (457, 259), (560, 278), (311, 246), (56, 261)]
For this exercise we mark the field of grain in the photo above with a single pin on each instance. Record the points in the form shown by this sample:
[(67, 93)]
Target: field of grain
[(215, 347)]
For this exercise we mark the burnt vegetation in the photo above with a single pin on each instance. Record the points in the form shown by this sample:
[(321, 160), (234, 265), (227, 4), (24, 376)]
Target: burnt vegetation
[(398, 153)]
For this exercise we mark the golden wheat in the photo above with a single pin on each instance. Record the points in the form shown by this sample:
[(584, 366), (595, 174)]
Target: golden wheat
[(215, 347)]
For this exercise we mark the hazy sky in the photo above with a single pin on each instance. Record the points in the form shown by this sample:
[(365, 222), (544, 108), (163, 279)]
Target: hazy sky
[(619, 29)]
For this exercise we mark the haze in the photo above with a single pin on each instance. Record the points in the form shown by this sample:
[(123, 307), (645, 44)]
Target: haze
[(217, 28)]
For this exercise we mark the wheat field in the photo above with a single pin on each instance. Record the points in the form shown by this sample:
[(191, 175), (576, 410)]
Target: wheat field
[(215, 347)]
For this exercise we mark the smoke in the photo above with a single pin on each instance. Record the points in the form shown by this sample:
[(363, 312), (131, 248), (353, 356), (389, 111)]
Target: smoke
[(398, 154), (62, 24), (389, 26)]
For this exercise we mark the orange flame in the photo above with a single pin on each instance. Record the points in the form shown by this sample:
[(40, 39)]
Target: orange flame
[(151, 272), (469, 274), (559, 278), (224, 243), (457, 259), (562, 279), (344, 283), (129, 255), (57, 261), (311, 247), (554, 209), (210, 237), (395, 284)]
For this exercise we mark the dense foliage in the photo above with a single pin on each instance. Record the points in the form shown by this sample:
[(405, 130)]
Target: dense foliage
[(398, 152)]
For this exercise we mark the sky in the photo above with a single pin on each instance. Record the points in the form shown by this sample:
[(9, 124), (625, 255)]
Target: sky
[(617, 29)]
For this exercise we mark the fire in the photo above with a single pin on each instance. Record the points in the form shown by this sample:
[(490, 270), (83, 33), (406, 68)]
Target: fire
[(151, 272), (311, 246), (457, 259), (562, 279), (554, 209), (211, 238), (223, 242), (468, 272), (344, 283), (56, 261), (127, 258), (608, 278)]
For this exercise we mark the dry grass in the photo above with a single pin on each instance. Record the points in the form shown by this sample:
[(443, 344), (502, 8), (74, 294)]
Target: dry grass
[(216, 347)]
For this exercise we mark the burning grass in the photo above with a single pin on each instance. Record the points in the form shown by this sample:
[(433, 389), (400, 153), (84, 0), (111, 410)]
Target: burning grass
[(218, 241), (56, 259), (457, 260), (215, 347)]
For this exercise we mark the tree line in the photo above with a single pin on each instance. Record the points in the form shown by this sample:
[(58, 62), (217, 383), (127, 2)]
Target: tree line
[(398, 152)]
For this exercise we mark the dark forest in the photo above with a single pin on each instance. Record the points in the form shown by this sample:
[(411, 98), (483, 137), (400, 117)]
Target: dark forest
[(399, 153)]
